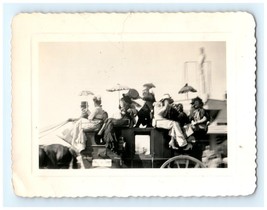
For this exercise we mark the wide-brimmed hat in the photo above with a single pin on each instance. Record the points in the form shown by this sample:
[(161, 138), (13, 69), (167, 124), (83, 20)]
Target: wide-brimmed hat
[(197, 99), (132, 93), (129, 100), (167, 96)]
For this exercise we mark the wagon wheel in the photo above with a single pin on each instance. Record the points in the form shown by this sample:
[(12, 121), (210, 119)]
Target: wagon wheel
[(183, 161)]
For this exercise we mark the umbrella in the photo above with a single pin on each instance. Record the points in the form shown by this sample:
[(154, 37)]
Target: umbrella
[(118, 87), (187, 88), (149, 85), (86, 93)]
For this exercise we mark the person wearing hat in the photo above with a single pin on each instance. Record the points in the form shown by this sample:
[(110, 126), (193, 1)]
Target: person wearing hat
[(85, 112), (84, 109), (162, 120), (128, 106), (198, 116), (199, 119), (92, 122), (128, 112), (145, 114), (66, 131)]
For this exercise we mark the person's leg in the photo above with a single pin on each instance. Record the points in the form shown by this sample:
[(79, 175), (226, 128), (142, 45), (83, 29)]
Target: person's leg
[(76, 129), (199, 135), (168, 124), (78, 140), (180, 137), (120, 122), (179, 134)]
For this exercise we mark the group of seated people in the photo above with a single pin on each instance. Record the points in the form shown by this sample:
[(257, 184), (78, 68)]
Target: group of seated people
[(160, 114), (183, 129)]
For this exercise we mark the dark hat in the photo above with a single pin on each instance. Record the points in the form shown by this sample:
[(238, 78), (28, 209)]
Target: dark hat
[(167, 96), (132, 94), (126, 98), (129, 100), (84, 104), (197, 99)]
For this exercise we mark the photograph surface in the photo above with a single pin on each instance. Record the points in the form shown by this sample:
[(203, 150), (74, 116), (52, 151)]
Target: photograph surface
[(151, 101)]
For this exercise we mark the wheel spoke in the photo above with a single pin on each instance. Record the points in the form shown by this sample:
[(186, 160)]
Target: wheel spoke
[(183, 161), (187, 163), (177, 163)]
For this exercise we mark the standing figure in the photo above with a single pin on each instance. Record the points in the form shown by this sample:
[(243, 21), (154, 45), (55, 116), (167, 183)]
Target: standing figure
[(201, 61), (199, 118), (145, 114)]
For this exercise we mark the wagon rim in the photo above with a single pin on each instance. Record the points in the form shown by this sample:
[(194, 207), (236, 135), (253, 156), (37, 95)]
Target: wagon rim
[(183, 161)]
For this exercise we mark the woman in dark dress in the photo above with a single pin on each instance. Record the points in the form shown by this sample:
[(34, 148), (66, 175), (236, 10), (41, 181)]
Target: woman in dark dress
[(145, 114), (199, 119), (128, 113)]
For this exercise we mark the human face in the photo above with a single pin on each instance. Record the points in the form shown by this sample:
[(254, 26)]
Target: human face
[(196, 104)]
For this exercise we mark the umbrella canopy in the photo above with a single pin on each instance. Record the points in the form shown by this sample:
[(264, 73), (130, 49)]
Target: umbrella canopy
[(186, 89), (149, 85), (86, 93), (118, 87)]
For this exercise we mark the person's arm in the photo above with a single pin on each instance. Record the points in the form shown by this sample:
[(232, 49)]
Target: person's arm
[(203, 119), (92, 114), (132, 111), (73, 119), (162, 110)]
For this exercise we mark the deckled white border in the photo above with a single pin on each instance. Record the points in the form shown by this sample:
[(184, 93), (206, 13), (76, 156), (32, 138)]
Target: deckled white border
[(237, 29)]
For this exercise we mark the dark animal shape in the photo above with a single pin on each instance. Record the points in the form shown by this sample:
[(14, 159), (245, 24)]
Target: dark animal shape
[(57, 156)]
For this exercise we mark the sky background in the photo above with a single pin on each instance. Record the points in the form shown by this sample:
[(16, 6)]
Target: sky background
[(65, 69)]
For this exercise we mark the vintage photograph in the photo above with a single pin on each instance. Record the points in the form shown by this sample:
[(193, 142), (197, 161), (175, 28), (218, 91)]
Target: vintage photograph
[(132, 105)]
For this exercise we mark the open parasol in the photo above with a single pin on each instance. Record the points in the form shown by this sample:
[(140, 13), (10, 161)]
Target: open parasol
[(118, 87), (149, 85), (186, 89), (86, 93)]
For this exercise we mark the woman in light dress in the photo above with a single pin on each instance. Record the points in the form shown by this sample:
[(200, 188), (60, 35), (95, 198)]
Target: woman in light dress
[(73, 131), (92, 123)]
